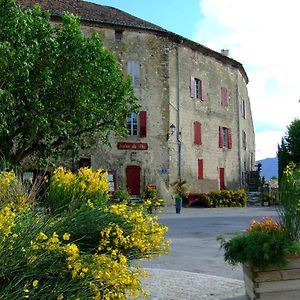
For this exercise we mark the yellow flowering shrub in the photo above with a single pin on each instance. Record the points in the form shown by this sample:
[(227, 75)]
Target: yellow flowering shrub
[(10, 188), (145, 237), (68, 191), (84, 253)]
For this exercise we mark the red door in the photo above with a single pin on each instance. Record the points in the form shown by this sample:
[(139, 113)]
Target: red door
[(222, 178), (133, 175)]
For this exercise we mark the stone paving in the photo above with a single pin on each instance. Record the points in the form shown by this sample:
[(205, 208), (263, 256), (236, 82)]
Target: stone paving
[(180, 285)]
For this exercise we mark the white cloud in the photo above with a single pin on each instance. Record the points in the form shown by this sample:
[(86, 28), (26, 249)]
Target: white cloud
[(267, 142), (263, 36)]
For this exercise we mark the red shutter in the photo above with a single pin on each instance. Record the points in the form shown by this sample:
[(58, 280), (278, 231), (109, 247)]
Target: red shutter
[(220, 137), (200, 169), (203, 92), (197, 133), (143, 124), (192, 87), (222, 178), (229, 138), (224, 96)]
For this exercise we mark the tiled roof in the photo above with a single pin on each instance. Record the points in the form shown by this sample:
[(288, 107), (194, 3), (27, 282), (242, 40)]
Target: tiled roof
[(91, 12), (101, 14)]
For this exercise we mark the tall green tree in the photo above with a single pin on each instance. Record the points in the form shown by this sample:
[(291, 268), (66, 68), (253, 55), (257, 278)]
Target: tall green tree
[(289, 150), (60, 91)]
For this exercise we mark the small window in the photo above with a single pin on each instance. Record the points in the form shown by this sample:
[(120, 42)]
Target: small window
[(132, 124), (197, 88), (118, 35), (112, 179), (134, 71), (225, 138)]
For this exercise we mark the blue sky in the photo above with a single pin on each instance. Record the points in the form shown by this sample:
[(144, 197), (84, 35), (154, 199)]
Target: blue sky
[(262, 35), (175, 16)]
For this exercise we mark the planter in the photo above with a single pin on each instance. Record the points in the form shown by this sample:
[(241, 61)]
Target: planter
[(273, 283), (178, 204)]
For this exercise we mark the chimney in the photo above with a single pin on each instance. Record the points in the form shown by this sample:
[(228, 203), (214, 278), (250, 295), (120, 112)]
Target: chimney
[(225, 52)]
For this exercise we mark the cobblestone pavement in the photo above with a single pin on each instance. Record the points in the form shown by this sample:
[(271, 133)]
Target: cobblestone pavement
[(180, 285)]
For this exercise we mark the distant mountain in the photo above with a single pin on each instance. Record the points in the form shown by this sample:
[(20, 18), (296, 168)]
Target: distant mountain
[(269, 167)]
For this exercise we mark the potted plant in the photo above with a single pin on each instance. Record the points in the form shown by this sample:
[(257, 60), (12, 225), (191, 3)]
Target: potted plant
[(269, 250), (152, 200), (180, 190)]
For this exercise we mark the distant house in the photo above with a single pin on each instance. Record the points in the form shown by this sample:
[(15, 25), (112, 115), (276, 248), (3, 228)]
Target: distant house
[(195, 122)]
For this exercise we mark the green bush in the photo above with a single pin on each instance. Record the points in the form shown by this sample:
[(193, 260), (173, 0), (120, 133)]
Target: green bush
[(259, 249), (120, 195), (224, 198)]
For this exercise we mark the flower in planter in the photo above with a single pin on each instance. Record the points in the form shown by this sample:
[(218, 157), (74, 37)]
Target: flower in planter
[(266, 225)]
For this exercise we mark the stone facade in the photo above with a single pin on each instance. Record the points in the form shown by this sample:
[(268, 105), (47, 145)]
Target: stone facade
[(168, 66)]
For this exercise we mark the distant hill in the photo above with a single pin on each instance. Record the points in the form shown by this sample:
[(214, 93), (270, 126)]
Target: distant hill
[(269, 167)]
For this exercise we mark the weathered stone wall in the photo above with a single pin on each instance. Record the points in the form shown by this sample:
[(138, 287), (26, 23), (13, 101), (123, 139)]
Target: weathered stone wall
[(211, 114), (152, 54), (159, 93)]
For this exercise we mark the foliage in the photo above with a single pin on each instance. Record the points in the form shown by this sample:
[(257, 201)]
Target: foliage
[(180, 188), (289, 150), (289, 194), (268, 242), (266, 225), (223, 198), (89, 252), (60, 91), (259, 248), (152, 200), (120, 195), (68, 191)]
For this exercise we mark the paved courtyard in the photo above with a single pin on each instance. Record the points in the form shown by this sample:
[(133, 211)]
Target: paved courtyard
[(195, 268)]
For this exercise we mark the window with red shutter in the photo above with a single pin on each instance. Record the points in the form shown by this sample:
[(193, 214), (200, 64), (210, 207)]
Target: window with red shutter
[(143, 124), (192, 87), (197, 88), (220, 137), (197, 133), (225, 138), (203, 91), (200, 169), (132, 124)]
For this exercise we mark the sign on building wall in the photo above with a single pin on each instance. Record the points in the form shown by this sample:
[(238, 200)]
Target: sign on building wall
[(132, 146)]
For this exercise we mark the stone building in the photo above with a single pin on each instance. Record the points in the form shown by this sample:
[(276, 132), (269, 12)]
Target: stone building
[(195, 122)]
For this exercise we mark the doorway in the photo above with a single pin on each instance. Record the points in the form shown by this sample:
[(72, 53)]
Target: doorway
[(133, 179)]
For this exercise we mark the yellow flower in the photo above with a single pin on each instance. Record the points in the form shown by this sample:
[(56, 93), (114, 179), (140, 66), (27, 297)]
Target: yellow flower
[(66, 236), (71, 250), (35, 283), (90, 203), (60, 297), (41, 236)]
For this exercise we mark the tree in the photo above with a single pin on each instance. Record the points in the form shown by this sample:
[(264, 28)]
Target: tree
[(60, 91), (289, 150)]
